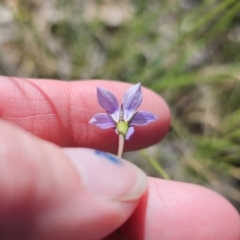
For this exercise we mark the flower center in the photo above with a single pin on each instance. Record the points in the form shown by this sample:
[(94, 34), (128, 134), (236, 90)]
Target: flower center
[(122, 128)]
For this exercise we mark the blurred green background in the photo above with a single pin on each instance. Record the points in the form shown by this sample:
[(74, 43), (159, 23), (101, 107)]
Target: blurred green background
[(185, 50)]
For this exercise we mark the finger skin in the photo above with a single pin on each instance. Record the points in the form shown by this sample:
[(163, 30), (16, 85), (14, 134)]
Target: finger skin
[(178, 211), (59, 112), (42, 197)]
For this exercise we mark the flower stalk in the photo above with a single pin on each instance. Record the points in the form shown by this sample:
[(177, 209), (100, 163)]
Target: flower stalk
[(121, 140)]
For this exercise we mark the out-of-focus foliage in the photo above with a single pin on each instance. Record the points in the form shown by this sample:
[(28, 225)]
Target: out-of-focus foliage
[(187, 51)]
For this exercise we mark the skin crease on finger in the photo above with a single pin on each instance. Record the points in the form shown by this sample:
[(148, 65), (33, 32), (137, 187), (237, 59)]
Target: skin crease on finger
[(67, 107)]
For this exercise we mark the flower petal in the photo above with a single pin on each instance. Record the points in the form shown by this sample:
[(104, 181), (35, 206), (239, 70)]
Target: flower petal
[(108, 102), (129, 132), (131, 101), (102, 120), (142, 118)]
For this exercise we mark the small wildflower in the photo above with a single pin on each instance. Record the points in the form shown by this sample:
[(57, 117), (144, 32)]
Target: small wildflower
[(121, 118)]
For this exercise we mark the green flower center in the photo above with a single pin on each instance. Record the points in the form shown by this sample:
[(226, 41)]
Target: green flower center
[(122, 128)]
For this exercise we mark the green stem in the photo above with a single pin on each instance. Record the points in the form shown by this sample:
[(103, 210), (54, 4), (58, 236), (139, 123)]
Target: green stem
[(155, 164), (120, 145)]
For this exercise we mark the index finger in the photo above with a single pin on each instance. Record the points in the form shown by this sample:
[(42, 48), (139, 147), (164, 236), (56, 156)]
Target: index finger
[(59, 112)]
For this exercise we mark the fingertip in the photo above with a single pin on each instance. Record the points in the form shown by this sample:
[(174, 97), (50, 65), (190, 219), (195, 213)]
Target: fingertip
[(106, 175), (178, 211), (59, 112)]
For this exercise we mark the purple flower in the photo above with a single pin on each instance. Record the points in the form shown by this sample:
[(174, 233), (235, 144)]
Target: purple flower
[(121, 118)]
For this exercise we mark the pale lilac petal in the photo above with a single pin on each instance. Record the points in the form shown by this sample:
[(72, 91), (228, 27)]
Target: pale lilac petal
[(129, 132), (102, 120), (142, 118), (108, 102), (131, 101)]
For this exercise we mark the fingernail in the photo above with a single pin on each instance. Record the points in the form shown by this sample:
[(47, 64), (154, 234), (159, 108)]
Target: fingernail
[(107, 175)]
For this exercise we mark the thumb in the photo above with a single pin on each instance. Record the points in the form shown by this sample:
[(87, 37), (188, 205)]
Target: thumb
[(51, 193)]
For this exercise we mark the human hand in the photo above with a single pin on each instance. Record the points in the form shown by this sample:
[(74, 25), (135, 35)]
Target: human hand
[(43, 195)]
